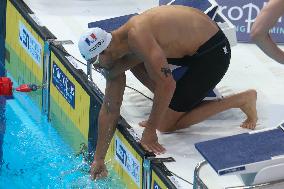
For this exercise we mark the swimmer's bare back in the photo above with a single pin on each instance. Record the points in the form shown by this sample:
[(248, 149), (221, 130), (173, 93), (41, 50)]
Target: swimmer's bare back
[(179, 30)]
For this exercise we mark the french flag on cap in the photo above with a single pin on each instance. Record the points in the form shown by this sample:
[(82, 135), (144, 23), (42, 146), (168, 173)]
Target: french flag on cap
[(91, 39)]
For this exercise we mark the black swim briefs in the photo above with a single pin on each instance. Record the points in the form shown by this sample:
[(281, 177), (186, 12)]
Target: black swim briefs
[(196, 75)]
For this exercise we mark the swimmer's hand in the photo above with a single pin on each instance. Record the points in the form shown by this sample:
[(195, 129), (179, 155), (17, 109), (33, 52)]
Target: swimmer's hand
[(98, 170), (149, 141)]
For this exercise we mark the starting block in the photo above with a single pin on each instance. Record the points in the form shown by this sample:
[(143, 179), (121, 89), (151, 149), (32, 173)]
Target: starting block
[(257, 156)]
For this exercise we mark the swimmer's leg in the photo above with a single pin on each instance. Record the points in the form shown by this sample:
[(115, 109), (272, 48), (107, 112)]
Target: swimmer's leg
[(246, 101), (173, 120)]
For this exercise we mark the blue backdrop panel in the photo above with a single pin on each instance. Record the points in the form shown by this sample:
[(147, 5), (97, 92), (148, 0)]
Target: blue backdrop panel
[(240, 150), (112, 23), (199, 4)]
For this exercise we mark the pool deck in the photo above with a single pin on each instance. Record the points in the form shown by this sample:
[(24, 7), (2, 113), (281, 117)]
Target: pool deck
[(249, 68)]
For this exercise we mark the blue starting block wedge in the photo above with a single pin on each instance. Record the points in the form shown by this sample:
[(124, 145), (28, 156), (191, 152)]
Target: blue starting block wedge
[(245, 153), (111, 23)]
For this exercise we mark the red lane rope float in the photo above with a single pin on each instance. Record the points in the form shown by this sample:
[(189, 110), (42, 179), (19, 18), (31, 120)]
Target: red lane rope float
[(27, 88), (6, 87)]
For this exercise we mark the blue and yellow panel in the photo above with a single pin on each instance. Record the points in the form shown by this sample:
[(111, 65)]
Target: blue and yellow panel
[(25, 49), (127, 162), (69, 104), (157, 183)]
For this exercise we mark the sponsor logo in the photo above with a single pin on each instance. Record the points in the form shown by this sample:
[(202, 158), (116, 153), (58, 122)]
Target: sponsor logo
[(63, 84), (225, 50), (97, 45), (129, 163), (29, 43)]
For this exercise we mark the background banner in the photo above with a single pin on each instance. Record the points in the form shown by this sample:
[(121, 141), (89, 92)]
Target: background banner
[(242, 14)]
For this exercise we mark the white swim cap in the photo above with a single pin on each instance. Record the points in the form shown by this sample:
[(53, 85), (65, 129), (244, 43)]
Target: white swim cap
[(93, 42)]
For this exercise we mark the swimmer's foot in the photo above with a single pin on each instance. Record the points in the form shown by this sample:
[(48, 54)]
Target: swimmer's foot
[(249, 108)]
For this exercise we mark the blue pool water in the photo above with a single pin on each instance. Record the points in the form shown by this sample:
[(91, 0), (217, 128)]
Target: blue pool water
[(35, 156)]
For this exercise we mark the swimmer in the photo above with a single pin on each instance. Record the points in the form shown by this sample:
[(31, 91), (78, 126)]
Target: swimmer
[(155, 45)]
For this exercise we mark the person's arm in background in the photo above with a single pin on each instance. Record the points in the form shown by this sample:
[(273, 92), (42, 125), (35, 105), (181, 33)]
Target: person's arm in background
[(108, 118), (266, 19), (145, 46)]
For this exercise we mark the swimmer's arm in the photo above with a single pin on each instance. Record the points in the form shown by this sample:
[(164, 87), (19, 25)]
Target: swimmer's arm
[(109, 114), (266, 19), (145, 46)]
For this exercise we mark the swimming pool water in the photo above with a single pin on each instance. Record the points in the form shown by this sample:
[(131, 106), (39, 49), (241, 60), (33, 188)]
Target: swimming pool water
[(35, 156)]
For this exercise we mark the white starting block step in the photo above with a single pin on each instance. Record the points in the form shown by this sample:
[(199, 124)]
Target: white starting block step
[(257, 156)]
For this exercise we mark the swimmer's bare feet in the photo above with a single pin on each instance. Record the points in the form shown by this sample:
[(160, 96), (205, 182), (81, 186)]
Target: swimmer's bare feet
[(143, 123), (249, 108)]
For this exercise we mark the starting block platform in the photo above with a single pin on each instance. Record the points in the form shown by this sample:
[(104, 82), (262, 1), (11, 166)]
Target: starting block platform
[(258, 153)]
